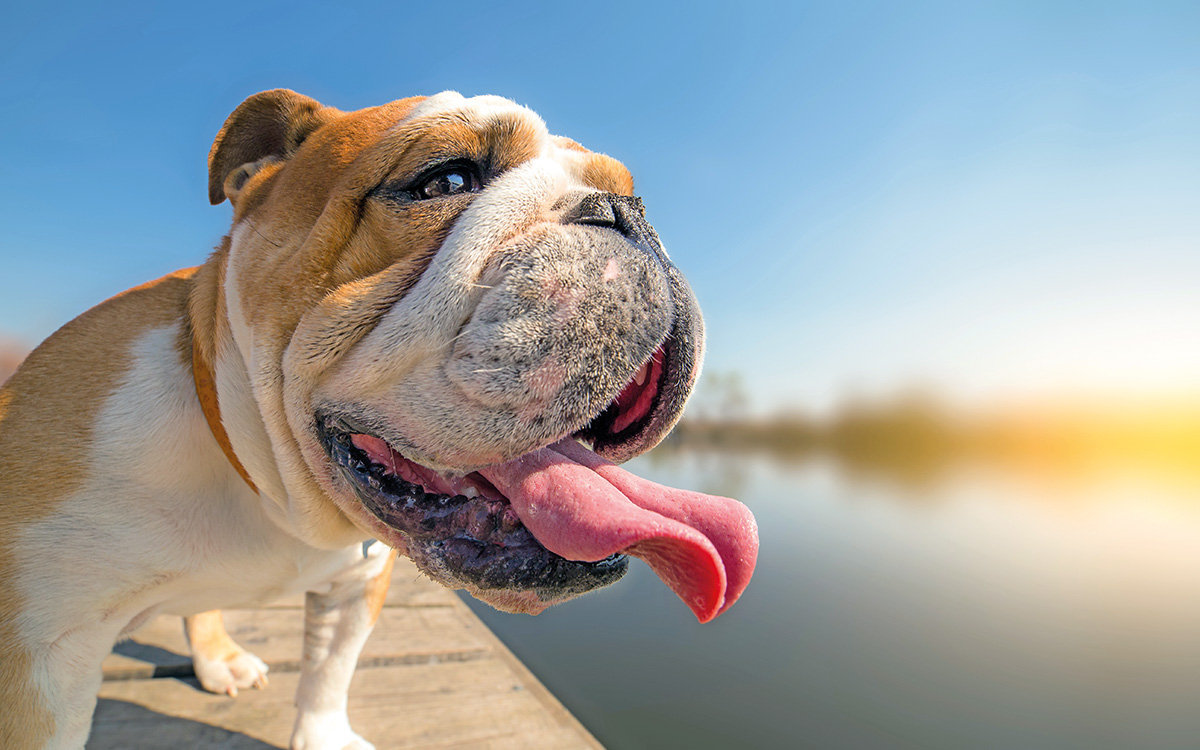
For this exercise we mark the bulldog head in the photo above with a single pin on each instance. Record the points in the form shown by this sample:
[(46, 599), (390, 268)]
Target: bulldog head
[(421, 312)]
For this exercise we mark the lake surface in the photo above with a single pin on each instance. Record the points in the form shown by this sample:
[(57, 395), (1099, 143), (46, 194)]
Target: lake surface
[(980, 611)]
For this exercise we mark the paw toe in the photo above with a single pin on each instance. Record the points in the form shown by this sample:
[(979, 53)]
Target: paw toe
[(241, 670)]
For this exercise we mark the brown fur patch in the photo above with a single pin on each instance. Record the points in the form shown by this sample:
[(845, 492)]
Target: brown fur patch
[(600, 171), (48, 410), (206, 391), (606, 173), (377, 588)]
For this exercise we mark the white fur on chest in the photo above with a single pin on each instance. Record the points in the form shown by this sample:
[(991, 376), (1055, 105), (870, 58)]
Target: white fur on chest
[(162, 523)]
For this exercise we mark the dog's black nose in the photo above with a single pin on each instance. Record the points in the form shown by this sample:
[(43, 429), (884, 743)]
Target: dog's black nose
[(619, 212), (624, 213)]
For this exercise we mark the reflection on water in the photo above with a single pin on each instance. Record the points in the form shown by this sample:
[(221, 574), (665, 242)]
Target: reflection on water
[(981, 610)]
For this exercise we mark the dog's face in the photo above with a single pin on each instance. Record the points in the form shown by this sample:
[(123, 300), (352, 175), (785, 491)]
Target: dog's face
[(426, 304)]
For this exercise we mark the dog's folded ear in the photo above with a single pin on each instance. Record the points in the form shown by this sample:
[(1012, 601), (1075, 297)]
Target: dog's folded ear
[(265, 128)]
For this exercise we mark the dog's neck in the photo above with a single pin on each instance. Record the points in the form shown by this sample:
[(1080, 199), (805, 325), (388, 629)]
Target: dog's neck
[(206, 390), (203, 311)]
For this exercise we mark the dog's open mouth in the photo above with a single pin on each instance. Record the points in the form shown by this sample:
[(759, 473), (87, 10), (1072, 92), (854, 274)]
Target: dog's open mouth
[(631, 409), (555, 522), (457, 528)]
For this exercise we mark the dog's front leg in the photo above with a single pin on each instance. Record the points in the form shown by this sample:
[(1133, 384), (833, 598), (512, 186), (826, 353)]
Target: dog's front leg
[(336, 625), (221, 665)]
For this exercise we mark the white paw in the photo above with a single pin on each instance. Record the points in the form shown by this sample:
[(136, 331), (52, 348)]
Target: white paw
[(241, 670), (326, 731)]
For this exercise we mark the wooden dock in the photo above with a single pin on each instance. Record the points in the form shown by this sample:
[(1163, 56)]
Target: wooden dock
[(431, 676)]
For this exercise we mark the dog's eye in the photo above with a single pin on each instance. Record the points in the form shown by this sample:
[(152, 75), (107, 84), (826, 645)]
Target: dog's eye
[(451, 181)]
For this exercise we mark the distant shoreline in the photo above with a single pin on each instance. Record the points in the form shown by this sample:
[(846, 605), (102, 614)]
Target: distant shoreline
[(916, 439)]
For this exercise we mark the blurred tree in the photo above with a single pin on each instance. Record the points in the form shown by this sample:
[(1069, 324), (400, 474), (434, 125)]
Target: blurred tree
[(720, 396)]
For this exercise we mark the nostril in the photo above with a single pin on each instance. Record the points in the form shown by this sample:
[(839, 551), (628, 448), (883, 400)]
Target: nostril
[(630, 216), (594, 210), (622, 213)]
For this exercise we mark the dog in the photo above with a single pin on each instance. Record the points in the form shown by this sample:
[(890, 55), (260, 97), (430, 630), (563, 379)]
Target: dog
[(432, 324)]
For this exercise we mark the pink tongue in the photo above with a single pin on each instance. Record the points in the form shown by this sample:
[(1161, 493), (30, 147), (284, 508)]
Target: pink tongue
[(582, 507)]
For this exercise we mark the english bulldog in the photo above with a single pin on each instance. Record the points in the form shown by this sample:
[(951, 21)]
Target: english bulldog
[(432, 324)]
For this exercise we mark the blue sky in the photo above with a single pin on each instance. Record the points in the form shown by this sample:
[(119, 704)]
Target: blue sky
[(990, 198)]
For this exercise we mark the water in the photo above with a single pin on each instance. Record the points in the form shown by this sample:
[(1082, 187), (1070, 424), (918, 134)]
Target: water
[(984, 611)]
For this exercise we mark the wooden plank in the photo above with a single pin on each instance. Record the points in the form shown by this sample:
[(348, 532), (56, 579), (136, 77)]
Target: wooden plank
[(402, 635), (431, 676), (481, 704)]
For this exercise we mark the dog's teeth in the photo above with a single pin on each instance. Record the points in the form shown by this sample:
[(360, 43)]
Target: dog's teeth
[(642, 373), (470, 492), (508, 519)]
